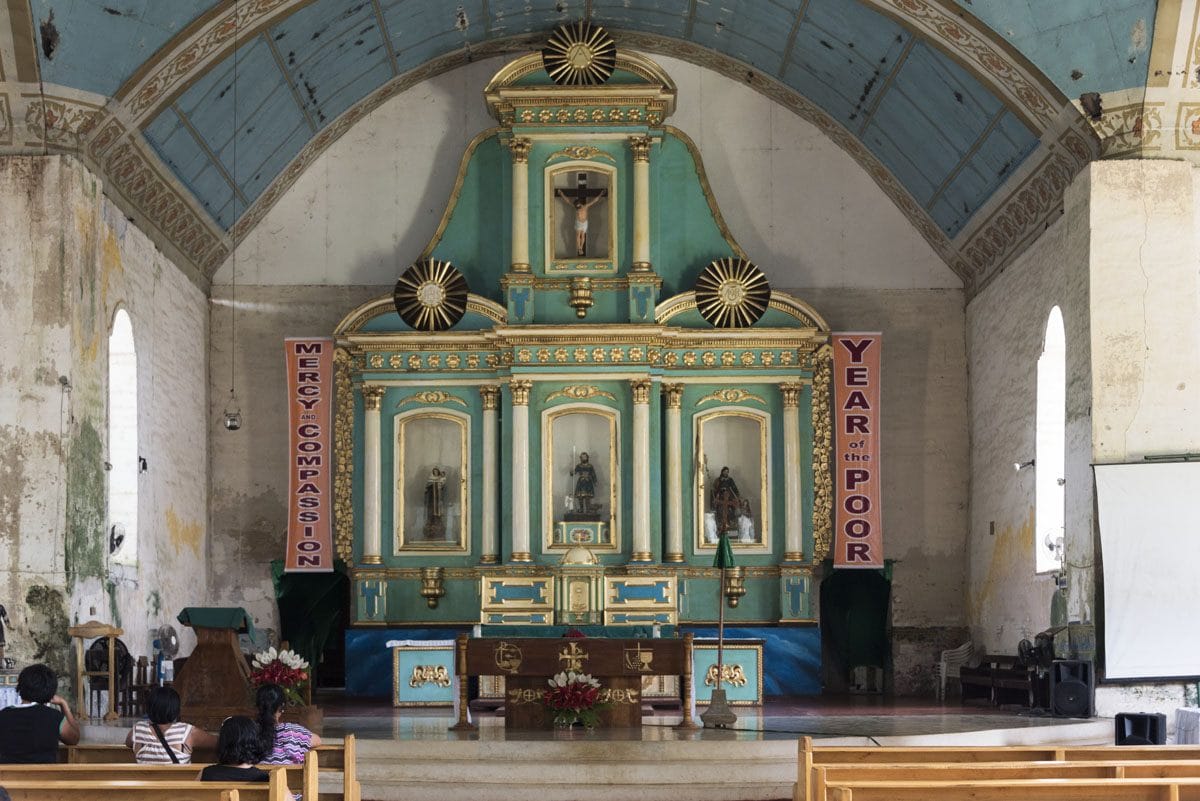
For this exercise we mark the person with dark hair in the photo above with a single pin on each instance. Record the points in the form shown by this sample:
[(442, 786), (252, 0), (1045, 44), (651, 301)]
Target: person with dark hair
[(238, 751), (282, 743), (162, 739), (31, 731)]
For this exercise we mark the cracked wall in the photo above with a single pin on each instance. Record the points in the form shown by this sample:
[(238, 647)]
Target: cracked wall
[(68, 260)]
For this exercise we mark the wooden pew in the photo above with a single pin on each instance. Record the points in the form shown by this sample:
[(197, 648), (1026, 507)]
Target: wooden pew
[(811, 756), (1009, 771), (1020, 790), (331, 757), (150, 790)]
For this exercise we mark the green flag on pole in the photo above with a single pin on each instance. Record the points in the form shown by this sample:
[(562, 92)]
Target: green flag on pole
[(724, 557)]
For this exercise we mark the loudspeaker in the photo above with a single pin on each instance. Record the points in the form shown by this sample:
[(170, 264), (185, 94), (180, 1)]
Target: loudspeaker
[(1072, 688), (1140, 728)]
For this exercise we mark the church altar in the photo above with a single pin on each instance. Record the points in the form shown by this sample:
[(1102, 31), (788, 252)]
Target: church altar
[(578, 388), (527, 663)]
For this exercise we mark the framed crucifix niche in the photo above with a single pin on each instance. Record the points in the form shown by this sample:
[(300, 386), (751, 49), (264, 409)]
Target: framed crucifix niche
[(581, 220), (733, 479), (580, 478), (431, 506)]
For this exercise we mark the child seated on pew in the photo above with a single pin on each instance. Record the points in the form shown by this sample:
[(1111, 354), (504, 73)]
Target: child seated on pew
[(163, 739), (282, 743), (238, 751), (31, 731)]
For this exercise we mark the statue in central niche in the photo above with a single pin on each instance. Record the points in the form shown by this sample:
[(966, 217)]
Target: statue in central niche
[(435, 507), (581, 505)]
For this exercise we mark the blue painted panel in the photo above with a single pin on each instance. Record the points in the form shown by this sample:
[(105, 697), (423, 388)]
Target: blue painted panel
[(1108, 41), (181, 152), (504, 593), (510, 17), (704, 659), (369, 660), (641, 618), (666, 17), (428, 692), (791, 656), (750, 30), (408, 22), (656, 592), (102, 42)]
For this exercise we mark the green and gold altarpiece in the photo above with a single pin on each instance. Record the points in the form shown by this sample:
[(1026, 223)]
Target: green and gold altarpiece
[(462, 492)]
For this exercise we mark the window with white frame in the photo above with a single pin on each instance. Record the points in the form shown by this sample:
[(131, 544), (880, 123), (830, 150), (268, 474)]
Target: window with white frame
[(122, 441), (1049, 493)]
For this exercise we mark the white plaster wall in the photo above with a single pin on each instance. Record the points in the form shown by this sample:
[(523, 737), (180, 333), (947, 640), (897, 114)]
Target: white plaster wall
[(801, 208), (67, 260), (1006, 600)]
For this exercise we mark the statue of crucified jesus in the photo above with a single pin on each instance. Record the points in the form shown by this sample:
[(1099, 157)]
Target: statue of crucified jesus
[(581, 200)]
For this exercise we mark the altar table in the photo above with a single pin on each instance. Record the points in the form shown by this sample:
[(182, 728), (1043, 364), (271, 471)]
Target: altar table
[(527, 663)]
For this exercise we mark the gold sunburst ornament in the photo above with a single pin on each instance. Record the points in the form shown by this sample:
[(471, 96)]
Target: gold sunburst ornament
[(431, 295), (579, 54), (732, 293)]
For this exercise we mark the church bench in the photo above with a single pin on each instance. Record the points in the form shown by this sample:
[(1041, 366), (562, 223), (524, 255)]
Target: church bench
[(131, 790), (1183, 789), (1009, 771)]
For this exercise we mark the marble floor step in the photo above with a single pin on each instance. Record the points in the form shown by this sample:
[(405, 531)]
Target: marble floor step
[(449, 790)]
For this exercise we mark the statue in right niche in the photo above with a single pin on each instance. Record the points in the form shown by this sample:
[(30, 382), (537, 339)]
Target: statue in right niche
[(726, 503)]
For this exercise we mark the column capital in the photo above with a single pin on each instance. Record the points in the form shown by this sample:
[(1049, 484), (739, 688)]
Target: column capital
[(372, 397), (674, 395), (491, 396), (641, 390), (520, 391), (519, 147), (640, 147), (791, 395)]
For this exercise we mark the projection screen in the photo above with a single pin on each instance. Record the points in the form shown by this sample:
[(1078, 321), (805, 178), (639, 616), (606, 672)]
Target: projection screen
[(1150, 545)]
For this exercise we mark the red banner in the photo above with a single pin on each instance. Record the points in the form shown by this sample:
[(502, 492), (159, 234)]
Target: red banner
[(310, 455), (858, 522)]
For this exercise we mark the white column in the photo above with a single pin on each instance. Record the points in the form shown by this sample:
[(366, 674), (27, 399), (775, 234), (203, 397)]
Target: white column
[(674, 395), (793, 547), (489, 550), (640, 145), (519, 148), (372, 540), (520, 470), (641, 471)]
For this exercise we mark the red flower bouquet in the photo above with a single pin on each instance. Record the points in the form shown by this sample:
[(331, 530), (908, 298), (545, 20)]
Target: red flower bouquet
[(285, 668), (574, 698)]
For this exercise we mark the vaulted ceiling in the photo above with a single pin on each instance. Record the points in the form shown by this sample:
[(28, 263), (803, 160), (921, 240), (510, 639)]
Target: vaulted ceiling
[(944, 102)]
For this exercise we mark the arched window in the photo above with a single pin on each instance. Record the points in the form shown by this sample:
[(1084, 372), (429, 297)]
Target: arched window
[(1050, 497), (122, 442)]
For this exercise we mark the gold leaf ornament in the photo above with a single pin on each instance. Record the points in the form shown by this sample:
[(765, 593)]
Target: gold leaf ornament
[(579, 54), (732, 293), (431, 295)]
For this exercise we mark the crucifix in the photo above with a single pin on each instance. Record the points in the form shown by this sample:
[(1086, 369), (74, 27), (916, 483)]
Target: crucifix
[(580, 199)]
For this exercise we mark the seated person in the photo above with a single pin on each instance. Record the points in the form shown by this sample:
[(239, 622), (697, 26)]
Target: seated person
[(237, 753), (31, 731), (163, 739), (282, 743)]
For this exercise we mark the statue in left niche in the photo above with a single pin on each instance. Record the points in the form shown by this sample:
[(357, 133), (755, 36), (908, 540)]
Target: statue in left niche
[(435, 505), (581, 505)]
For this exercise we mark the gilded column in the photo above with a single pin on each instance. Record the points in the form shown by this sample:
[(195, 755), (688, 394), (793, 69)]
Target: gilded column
[(673, 393), (641, 471), (520, 469), (372, 539), (489, 550), (519, 147), (640, 146), (793, 548)]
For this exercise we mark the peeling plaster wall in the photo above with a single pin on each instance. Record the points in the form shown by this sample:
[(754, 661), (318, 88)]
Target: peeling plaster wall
[(249, 466), (802, 209), (1006, 323), (68, 259)]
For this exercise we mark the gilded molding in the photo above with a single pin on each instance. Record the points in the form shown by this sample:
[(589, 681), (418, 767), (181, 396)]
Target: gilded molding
[(639, 146), (674, 395), (580, 392), (791, 395), (822, 453), (580, 153), (360, 316), (520, 397), (490, 395), (432, 397), (520, 146), (343, 448), (641, 392), (372, 398), (731, 395)]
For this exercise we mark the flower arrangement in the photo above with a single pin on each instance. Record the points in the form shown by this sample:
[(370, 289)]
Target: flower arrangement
[(286, 668), (574, 698)]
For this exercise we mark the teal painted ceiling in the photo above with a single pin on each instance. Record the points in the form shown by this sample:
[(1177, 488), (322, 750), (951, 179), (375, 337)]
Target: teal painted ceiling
[(940, 131)]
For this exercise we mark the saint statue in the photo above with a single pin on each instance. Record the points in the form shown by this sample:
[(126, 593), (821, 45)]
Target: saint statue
[(435, 507), (582, 507), (726, 502), (745, 523)]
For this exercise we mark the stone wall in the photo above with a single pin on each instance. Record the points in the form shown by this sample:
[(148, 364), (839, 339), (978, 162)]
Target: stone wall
[(68, 261)]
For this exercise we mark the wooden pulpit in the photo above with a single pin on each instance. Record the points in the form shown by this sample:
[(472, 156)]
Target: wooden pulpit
[(214, 682)]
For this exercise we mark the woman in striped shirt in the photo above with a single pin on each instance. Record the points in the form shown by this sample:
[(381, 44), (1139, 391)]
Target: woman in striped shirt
[(282, 743), (162, 736)]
